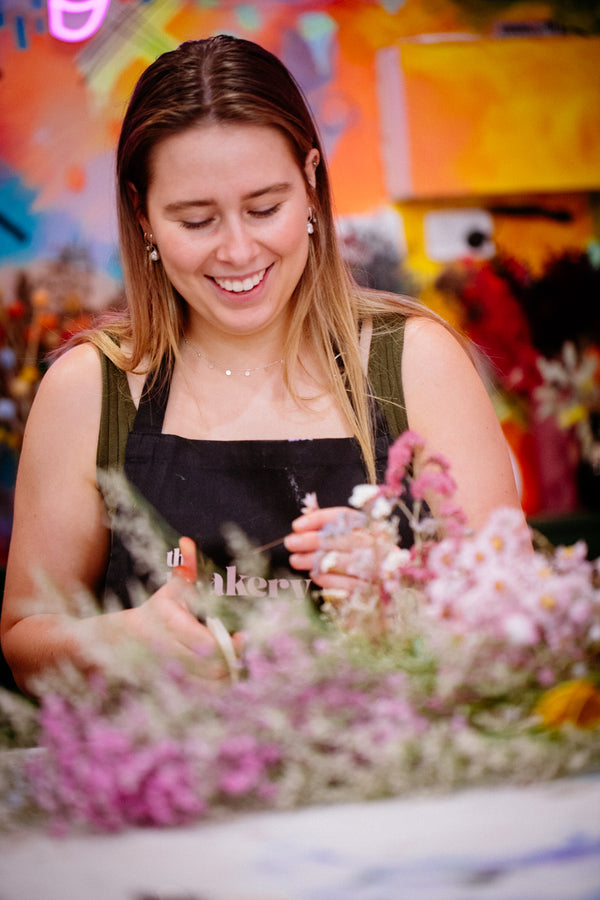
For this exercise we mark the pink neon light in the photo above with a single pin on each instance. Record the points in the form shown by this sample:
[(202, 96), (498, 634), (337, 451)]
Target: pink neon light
[(59, 9)]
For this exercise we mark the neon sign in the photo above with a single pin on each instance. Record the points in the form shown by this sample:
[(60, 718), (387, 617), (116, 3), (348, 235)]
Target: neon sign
[(61, 28)]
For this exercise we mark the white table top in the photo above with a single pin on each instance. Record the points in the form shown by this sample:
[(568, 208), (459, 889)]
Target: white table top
[(540, 842)]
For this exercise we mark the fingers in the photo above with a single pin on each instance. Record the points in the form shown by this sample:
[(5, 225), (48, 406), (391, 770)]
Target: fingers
[(314, 521), (212, 644), (185, 576), (337, 580), (302, 548), (188, 570), (306, 538), (166, 625)]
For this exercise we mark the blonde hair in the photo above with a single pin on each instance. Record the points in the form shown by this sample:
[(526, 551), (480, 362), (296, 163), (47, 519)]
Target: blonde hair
[(227, 79)]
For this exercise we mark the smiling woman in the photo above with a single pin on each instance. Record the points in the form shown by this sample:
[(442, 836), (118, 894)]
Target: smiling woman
[(248, 371)]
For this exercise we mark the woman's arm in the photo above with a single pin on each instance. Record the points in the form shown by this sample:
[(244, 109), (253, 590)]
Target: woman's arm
[(448, 406), (60, 530)]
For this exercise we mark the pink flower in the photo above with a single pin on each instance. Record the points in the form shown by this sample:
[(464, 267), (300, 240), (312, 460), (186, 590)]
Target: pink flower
[(399, 458), (434, 481)]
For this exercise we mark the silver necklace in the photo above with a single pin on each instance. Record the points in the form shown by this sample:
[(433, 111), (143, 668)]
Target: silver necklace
[(212, 364)]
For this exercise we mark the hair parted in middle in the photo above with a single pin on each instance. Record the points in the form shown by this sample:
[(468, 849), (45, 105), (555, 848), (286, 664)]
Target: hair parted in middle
[(225, 79)]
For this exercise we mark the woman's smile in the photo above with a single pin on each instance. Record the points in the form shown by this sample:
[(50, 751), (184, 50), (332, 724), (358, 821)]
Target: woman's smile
[(244, 284)]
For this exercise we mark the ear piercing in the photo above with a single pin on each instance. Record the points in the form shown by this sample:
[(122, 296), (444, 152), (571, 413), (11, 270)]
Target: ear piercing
[(151, 248)]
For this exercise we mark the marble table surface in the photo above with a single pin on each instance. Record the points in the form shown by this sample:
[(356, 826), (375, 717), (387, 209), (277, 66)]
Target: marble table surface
[(540, 842)]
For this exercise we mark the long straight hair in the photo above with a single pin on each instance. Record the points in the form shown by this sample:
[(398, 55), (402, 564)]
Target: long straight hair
[(218, 80)]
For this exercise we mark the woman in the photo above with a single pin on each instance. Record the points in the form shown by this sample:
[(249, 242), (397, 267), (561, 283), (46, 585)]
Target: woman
[(237, 381)]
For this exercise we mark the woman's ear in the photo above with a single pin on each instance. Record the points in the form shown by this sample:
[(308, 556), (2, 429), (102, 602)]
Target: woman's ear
[(313, 158), (136, 202)]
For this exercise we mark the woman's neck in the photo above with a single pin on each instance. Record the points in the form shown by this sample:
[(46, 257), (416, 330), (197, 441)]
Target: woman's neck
[(235, 353)]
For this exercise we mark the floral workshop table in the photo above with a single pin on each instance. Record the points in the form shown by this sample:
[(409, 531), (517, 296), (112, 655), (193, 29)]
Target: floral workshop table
[(539, 842)]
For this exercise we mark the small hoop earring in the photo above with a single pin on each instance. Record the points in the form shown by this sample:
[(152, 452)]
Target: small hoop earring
[(151, 248), (310, 225)]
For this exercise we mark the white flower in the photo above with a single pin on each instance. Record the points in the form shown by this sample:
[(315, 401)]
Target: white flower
[(395, 559), (309, 503), (362, 494), (329, 561), (382, 508), (520, 630)]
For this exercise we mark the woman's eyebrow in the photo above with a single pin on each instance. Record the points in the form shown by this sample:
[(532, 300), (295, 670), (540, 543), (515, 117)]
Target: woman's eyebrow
[(280, 187)]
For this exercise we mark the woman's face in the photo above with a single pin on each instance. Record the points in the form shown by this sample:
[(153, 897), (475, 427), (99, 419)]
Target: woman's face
[(227, 207)]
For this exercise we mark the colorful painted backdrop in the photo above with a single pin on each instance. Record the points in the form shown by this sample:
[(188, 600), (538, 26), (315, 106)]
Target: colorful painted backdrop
[(62, 97)]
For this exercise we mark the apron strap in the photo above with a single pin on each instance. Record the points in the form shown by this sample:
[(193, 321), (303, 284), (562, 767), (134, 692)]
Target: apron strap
[(153, 402), (364, 341)]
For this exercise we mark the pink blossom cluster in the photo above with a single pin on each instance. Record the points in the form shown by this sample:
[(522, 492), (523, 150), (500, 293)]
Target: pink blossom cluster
[(541, 610), (519, 607), (370, 539), (111, 772), (176, 749)]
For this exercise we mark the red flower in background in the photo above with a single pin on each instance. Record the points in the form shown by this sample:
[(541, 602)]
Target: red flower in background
[(494, 319)]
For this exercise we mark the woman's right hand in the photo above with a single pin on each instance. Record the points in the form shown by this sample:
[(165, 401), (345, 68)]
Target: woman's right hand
[(166, 622)]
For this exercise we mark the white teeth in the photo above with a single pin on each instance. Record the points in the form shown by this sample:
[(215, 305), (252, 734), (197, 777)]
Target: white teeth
[(238, 286)]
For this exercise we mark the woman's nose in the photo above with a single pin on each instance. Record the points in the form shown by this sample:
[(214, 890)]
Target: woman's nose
[(236, 243)]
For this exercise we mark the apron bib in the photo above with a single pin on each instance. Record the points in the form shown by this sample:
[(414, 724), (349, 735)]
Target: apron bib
[(195, 487)]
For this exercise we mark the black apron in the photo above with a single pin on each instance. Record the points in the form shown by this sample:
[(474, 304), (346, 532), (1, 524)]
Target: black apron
[(195, 487)]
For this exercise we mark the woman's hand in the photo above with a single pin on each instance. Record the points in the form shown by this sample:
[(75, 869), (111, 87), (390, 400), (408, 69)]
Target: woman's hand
[(307, 540), (165, 623)]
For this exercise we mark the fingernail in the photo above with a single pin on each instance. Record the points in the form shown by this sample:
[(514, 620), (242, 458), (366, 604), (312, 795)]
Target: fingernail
[(185, 574)]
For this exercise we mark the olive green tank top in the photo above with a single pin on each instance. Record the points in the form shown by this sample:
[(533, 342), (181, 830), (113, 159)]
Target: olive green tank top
[(384, 374)]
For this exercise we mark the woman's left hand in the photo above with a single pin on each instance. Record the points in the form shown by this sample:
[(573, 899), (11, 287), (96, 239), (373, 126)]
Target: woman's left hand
[(306, 541)]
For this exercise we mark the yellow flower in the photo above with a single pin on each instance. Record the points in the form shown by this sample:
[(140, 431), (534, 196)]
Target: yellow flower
[(577, 702), (29, 374), (571, 415)]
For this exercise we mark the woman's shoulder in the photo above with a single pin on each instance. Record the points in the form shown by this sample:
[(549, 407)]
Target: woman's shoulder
[(430, 337), (76, 371), (417, 332), (90, 367), (65, 414), (424, 329)]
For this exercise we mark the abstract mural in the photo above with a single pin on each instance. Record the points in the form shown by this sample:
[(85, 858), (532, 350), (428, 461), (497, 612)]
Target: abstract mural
[(68, 67)]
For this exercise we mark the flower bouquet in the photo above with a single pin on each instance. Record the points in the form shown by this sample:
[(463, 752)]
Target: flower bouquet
[(463, 659)]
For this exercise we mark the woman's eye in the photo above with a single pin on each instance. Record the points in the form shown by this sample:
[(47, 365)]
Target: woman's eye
[(265, 213), (195, 225)]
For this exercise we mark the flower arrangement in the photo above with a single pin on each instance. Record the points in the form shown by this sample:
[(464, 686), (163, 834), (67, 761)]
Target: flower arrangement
[(490, 299), (31, 326), (570, 393), (33, 322), (463, 659), (544, 361)]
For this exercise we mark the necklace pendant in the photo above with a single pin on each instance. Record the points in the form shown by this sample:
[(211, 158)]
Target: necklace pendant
[(247, 373), (228, 371)]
